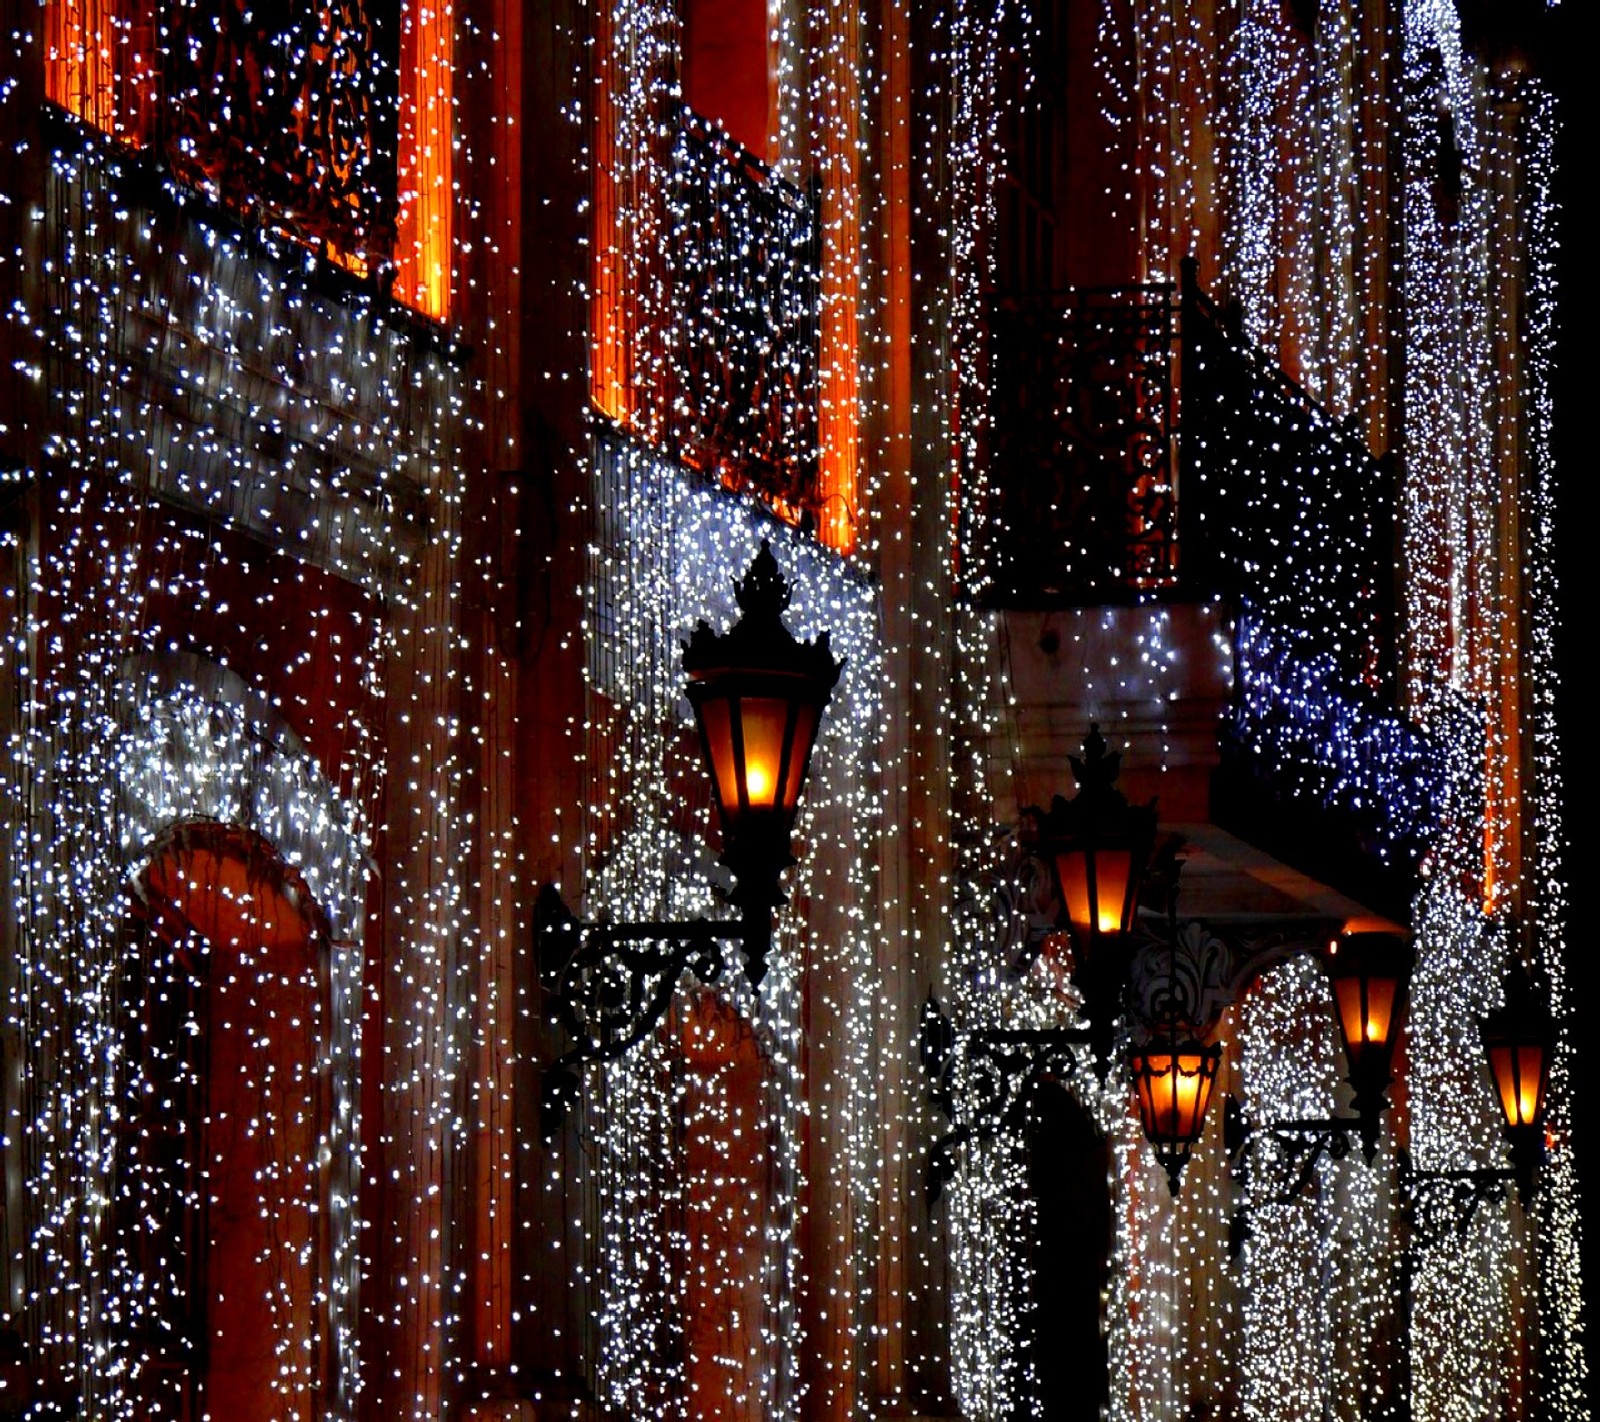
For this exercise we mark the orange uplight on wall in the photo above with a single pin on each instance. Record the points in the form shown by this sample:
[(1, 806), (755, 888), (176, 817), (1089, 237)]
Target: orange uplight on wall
[(839, 403), (426, 169), (79, 59), (608, 343)]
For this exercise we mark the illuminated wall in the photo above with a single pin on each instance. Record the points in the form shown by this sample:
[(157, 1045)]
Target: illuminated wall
[(1273, 146), (395, 591), (236, 535)]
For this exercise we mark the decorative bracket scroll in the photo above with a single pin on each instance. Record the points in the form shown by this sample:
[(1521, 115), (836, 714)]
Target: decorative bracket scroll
[(1194, 970), (610, 984), (1302, 1143), (981, 1080), (1462, 1192)]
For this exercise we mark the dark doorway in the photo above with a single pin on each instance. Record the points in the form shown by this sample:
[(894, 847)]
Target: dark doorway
[(1069, 1172)]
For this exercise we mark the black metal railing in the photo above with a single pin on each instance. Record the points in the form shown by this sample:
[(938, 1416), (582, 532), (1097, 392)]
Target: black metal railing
[(1283, 505), (1135, 444), (744, 269), (1078, 501)]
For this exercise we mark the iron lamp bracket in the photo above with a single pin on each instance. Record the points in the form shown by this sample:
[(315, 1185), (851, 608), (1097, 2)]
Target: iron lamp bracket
[(981, 1080), (611, 984), (1301, 1143), (1455, 1196)]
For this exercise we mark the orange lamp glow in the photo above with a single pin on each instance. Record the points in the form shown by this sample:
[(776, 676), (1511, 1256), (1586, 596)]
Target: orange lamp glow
[(1098, 887), (758, 731), (1099, 846), (1173, 1083), (1516, 1039), (758, 695), (1370, 974), (1519, 1072)]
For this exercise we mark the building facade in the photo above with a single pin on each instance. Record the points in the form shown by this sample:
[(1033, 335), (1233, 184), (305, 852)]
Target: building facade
[(391, 389)]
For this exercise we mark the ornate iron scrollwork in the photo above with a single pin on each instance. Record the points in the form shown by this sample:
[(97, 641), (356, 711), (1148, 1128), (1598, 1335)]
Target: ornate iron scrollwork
[(745, 276), (1437, 1202), (981, 1080), (610, 984), (1080, 444), (1301, 1143), (1265, 467), (278, 111)]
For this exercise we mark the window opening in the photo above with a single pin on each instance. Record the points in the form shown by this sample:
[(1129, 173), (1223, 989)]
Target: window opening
[(326, 120)]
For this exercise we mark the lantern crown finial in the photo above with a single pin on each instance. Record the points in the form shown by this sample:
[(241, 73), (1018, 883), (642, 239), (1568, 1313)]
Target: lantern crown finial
[(762, 592), (1096, 770), (758, 641)]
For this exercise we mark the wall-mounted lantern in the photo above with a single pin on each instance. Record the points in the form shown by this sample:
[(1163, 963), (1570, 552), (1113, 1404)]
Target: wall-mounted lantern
[(758, 697), (1518, 1038), (1099, 847), (1370, 975), (1172, 1081)]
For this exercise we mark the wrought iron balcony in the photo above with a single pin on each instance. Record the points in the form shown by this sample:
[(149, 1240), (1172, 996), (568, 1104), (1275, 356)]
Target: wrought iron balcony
[(1135, 445), (743, 268), (1078, 496), (1281, 504)]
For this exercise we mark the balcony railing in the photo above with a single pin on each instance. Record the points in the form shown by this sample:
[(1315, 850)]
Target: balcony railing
[(1078, 447), (1134, 445), (1282, 505), (743, 267)]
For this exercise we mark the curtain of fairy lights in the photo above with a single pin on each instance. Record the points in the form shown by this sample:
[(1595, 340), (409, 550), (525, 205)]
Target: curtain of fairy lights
[(1468, 1337), (668, 554), (1165, 77), (1564, 1366), (164, 756), (1269, 169), (1471, 1347), (990, 1203), (1298, 122), (200, 379), (989, 1213), (1320, 1270), (1302, 161)]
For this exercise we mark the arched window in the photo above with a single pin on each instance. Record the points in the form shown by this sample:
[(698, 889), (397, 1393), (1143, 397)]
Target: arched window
[(222, 1201)]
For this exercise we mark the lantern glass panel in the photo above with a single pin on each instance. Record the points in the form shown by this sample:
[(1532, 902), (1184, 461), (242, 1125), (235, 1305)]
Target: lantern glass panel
[(716, 726), (1094, 886), (761, 742), (1518, 1070), (1366, 1007), (1174, 1089), (763, 721)]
